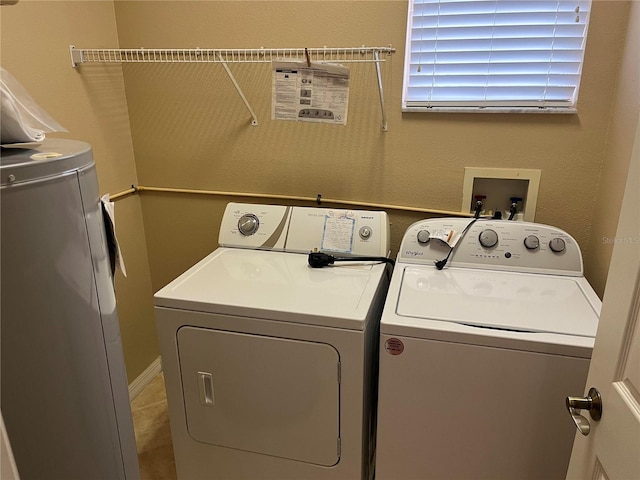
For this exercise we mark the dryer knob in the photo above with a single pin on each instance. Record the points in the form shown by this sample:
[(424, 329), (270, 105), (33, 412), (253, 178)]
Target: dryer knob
[(557, 245), (488, 238), (248, 224), (423, 237), (365, 233)]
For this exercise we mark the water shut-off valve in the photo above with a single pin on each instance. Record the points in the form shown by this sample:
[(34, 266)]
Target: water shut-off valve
[(514, 206), (479, 203)]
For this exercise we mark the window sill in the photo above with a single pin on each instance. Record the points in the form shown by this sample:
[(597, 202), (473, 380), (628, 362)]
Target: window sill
[(547, 110)]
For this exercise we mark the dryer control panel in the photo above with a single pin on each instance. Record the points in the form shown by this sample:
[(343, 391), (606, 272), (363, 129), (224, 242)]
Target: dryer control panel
[(492, 244), (254, 226), (303, 229)]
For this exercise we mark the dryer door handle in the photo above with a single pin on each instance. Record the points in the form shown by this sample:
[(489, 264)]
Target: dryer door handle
[(205, 386)]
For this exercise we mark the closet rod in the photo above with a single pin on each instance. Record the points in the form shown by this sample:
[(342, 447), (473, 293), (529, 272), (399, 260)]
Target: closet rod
[(382, 206), (122, 194)]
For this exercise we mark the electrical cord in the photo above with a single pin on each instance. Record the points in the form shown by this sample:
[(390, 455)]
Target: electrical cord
[(441, 263), (319, 259)]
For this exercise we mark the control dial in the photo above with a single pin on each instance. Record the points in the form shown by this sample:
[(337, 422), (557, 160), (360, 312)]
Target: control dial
[(423, 237), (488, 238), (365, 233), (557, 245), (248, 224), (531, 242)]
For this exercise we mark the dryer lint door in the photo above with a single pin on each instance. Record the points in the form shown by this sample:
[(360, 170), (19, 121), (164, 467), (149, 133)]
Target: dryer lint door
[(273, 396)]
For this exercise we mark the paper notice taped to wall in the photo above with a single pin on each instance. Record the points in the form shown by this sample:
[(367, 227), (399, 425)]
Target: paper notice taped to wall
[(315, 92)]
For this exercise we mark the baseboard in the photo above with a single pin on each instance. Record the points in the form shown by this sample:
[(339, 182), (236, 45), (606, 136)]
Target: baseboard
[(145, 378)]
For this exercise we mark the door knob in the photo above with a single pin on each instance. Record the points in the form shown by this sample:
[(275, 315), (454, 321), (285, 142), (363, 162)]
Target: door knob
[(592, 403)]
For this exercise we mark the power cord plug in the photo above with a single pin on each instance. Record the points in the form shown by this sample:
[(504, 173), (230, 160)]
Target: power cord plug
[(441, 263), (319, 259)]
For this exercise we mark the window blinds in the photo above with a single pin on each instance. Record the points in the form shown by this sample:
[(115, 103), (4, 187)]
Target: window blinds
[(499, 53)]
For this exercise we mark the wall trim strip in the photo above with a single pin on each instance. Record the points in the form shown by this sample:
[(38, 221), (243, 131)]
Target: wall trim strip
[(145, 378)]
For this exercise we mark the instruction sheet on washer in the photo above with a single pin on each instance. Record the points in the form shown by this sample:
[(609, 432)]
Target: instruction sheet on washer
[(314, 92), (337, 234)]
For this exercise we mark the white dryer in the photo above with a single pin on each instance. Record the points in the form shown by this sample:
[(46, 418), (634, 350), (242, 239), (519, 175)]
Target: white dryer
[(270, 365), (476, 359)]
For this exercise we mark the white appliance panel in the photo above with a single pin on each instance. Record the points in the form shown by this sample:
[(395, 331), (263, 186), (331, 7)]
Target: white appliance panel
[(510, 252), (276, 284), (195, 459), (340, 232), (272, 222), (465, 412), (303, 229), (505, 300), (272, 396)]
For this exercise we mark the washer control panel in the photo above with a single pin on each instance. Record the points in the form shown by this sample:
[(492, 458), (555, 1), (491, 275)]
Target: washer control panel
[(303, 229), (492, 244)]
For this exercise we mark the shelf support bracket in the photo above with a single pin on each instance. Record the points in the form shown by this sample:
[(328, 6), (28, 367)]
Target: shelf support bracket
[(376, 56), (254, 119), (76, 56)]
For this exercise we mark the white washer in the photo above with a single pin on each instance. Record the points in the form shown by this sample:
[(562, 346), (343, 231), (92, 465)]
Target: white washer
[(476, 359), (270, 365)]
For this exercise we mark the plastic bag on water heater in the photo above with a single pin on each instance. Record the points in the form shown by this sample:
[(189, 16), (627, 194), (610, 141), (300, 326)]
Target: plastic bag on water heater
[(23, 120)]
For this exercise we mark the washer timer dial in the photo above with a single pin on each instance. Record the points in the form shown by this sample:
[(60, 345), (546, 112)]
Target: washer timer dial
[(248, 224), (488, 238)]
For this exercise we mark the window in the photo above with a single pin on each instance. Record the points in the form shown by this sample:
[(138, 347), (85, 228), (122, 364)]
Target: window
[(498, 55)]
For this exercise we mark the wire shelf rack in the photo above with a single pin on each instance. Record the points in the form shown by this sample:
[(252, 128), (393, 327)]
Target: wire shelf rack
[(209, 55), (363, 54)]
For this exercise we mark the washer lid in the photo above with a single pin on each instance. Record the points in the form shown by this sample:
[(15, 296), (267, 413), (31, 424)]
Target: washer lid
[(501, 300), (277, 286)]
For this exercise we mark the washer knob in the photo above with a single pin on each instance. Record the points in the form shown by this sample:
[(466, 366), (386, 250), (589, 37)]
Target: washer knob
[(557, 245), (531, 242), (248, 224), (423, 237), (365, 233), (488, 238)]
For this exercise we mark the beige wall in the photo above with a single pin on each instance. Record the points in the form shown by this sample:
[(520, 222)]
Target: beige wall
[(188, 128), (191, 130), (35, 39), (624, 118)]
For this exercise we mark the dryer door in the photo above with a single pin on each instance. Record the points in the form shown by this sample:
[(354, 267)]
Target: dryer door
[(273, 396)]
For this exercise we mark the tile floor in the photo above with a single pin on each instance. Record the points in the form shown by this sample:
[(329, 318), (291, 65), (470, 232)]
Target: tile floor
[(153, 436)]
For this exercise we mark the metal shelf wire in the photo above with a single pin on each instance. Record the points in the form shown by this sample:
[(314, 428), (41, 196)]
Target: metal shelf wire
[(80, 56), (210, 55)]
